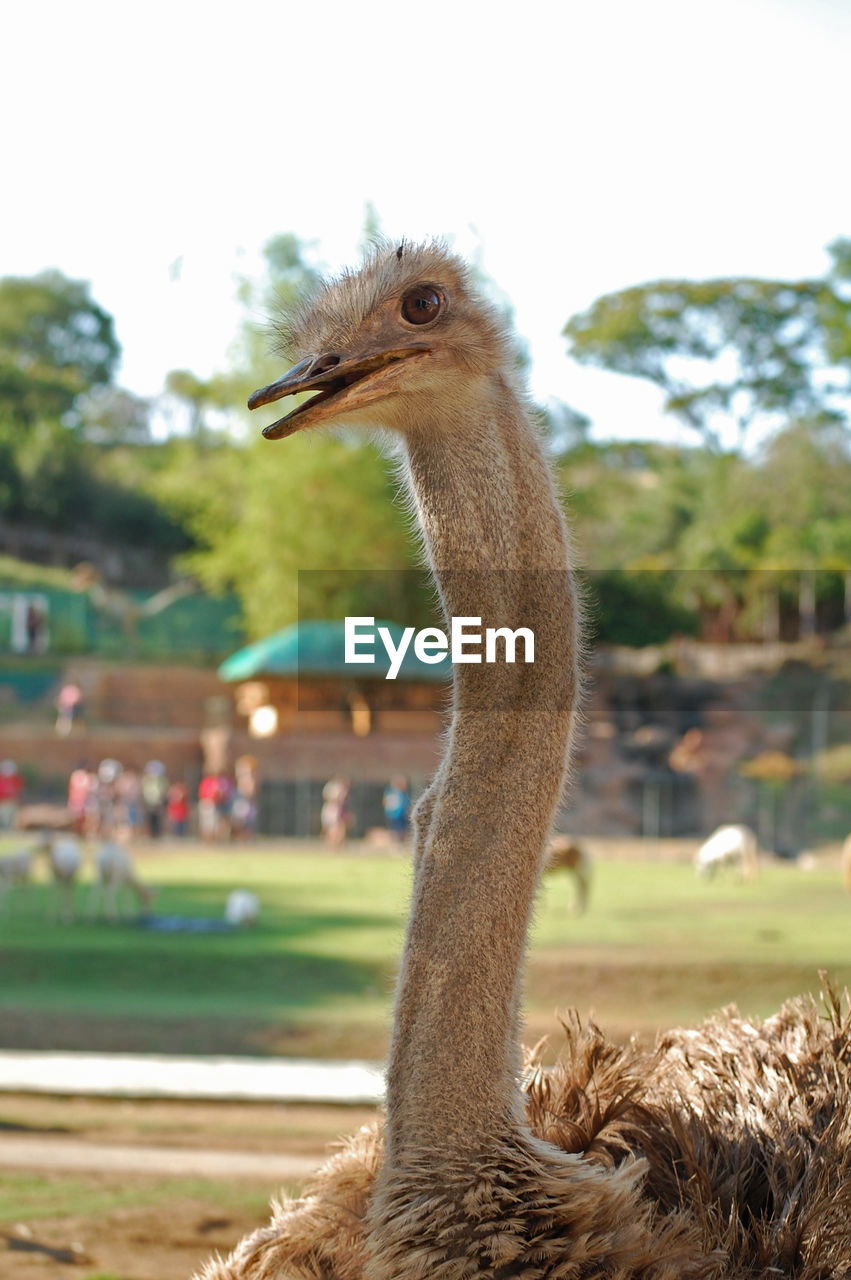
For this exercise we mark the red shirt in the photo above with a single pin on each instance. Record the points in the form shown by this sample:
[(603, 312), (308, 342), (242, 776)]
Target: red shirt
[(11, 786)]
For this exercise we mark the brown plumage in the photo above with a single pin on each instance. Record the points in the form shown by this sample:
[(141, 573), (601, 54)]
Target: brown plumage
[(724, 1152)]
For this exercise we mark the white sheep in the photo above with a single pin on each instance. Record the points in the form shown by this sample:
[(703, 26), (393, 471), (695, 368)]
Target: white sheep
[(15, 869), (728, 846), (114, 871)]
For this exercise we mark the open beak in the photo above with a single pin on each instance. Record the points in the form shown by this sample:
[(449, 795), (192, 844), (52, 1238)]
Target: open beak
[(341, 385)]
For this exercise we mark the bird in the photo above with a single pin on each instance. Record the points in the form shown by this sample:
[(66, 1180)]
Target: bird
[(722, 1151)]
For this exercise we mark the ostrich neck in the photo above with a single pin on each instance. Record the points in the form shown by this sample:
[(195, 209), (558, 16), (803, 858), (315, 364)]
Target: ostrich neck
[(498, 548)]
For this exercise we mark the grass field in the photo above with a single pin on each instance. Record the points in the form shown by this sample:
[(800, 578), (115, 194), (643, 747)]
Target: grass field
[(315, 976), (655, 948)]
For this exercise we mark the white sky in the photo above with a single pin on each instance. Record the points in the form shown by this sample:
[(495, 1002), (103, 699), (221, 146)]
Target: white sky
[(583, 147)]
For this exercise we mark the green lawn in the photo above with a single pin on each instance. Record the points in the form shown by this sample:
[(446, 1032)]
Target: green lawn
[(656, 947)]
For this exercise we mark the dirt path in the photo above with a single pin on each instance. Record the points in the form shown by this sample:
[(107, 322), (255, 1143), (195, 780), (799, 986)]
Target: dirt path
[(59, 1154)]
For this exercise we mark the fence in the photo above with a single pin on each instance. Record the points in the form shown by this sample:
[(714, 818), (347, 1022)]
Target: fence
[(43, 620)]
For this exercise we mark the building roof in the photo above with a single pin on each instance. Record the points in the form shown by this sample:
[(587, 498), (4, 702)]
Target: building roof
[(314, 648)]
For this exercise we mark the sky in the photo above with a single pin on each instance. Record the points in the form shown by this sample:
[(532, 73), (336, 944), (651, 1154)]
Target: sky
[(574, 148)]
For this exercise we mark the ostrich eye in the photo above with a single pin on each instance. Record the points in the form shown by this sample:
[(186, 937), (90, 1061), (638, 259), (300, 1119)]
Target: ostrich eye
[(421, 304)]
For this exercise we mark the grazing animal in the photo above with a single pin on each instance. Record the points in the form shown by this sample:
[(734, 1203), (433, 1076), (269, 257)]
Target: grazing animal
[(15, 869), (729, 846), (65, 854), (724, 1152), (114, 871), (566, 854)]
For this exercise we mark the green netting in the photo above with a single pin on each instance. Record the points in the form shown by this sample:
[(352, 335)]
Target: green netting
[(195, 626)]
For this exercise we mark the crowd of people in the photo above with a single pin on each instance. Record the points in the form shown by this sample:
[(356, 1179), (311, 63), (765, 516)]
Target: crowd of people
[(147, 803), (114, 798)]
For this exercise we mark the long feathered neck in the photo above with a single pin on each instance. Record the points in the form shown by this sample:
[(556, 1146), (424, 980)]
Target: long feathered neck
[(497, 544)]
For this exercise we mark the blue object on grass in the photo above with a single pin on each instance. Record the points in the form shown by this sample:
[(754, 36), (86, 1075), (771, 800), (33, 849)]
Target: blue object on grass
[(185, 924)]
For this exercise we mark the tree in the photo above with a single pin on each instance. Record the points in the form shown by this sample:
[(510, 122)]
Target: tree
[(59, 407), (112, 416), (55, 344), (253, 358), (250, 505), (729, 349)]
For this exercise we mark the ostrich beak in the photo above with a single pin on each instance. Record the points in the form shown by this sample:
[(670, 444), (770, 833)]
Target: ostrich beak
[(342, 385)]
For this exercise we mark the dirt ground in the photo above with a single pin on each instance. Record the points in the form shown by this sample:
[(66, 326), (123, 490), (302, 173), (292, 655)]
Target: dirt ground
[(144, 1243), (98, 1223)]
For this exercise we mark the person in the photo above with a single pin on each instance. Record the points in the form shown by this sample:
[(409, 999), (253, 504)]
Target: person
[(396, 802), (11, 786), (208, 817), (128, 789), (35, 629), (107, 801), (154, 791), (80, 784), (244, 807), (335, 815), (177, 808), (224, 801), (69, 707)]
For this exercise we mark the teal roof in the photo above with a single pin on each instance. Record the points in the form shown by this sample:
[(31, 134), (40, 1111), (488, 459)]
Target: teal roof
[(318, 649)]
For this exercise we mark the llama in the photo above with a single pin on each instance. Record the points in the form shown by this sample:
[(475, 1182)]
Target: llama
[(729, 846), (15, 869), (65, 855), (566, 854), (114, 872)]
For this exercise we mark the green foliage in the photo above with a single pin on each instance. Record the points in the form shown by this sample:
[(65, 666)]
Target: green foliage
[(726, 349), (635, 608), (721, 533), (681, 537), (264, 511), (30, 576), (55, 344), (58, 409), (112, 416)]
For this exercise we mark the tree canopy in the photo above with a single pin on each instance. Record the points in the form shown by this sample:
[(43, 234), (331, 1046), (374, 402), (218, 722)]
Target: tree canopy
[(729, 349), (732, 543), (56, 343)]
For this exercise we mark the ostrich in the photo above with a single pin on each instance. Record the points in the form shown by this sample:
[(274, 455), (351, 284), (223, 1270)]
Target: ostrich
[(720, 1153)]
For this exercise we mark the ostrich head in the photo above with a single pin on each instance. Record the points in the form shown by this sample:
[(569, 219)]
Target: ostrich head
[(376, 343)]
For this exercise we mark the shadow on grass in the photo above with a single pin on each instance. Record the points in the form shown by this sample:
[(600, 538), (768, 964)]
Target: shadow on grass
[(277, 970)]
